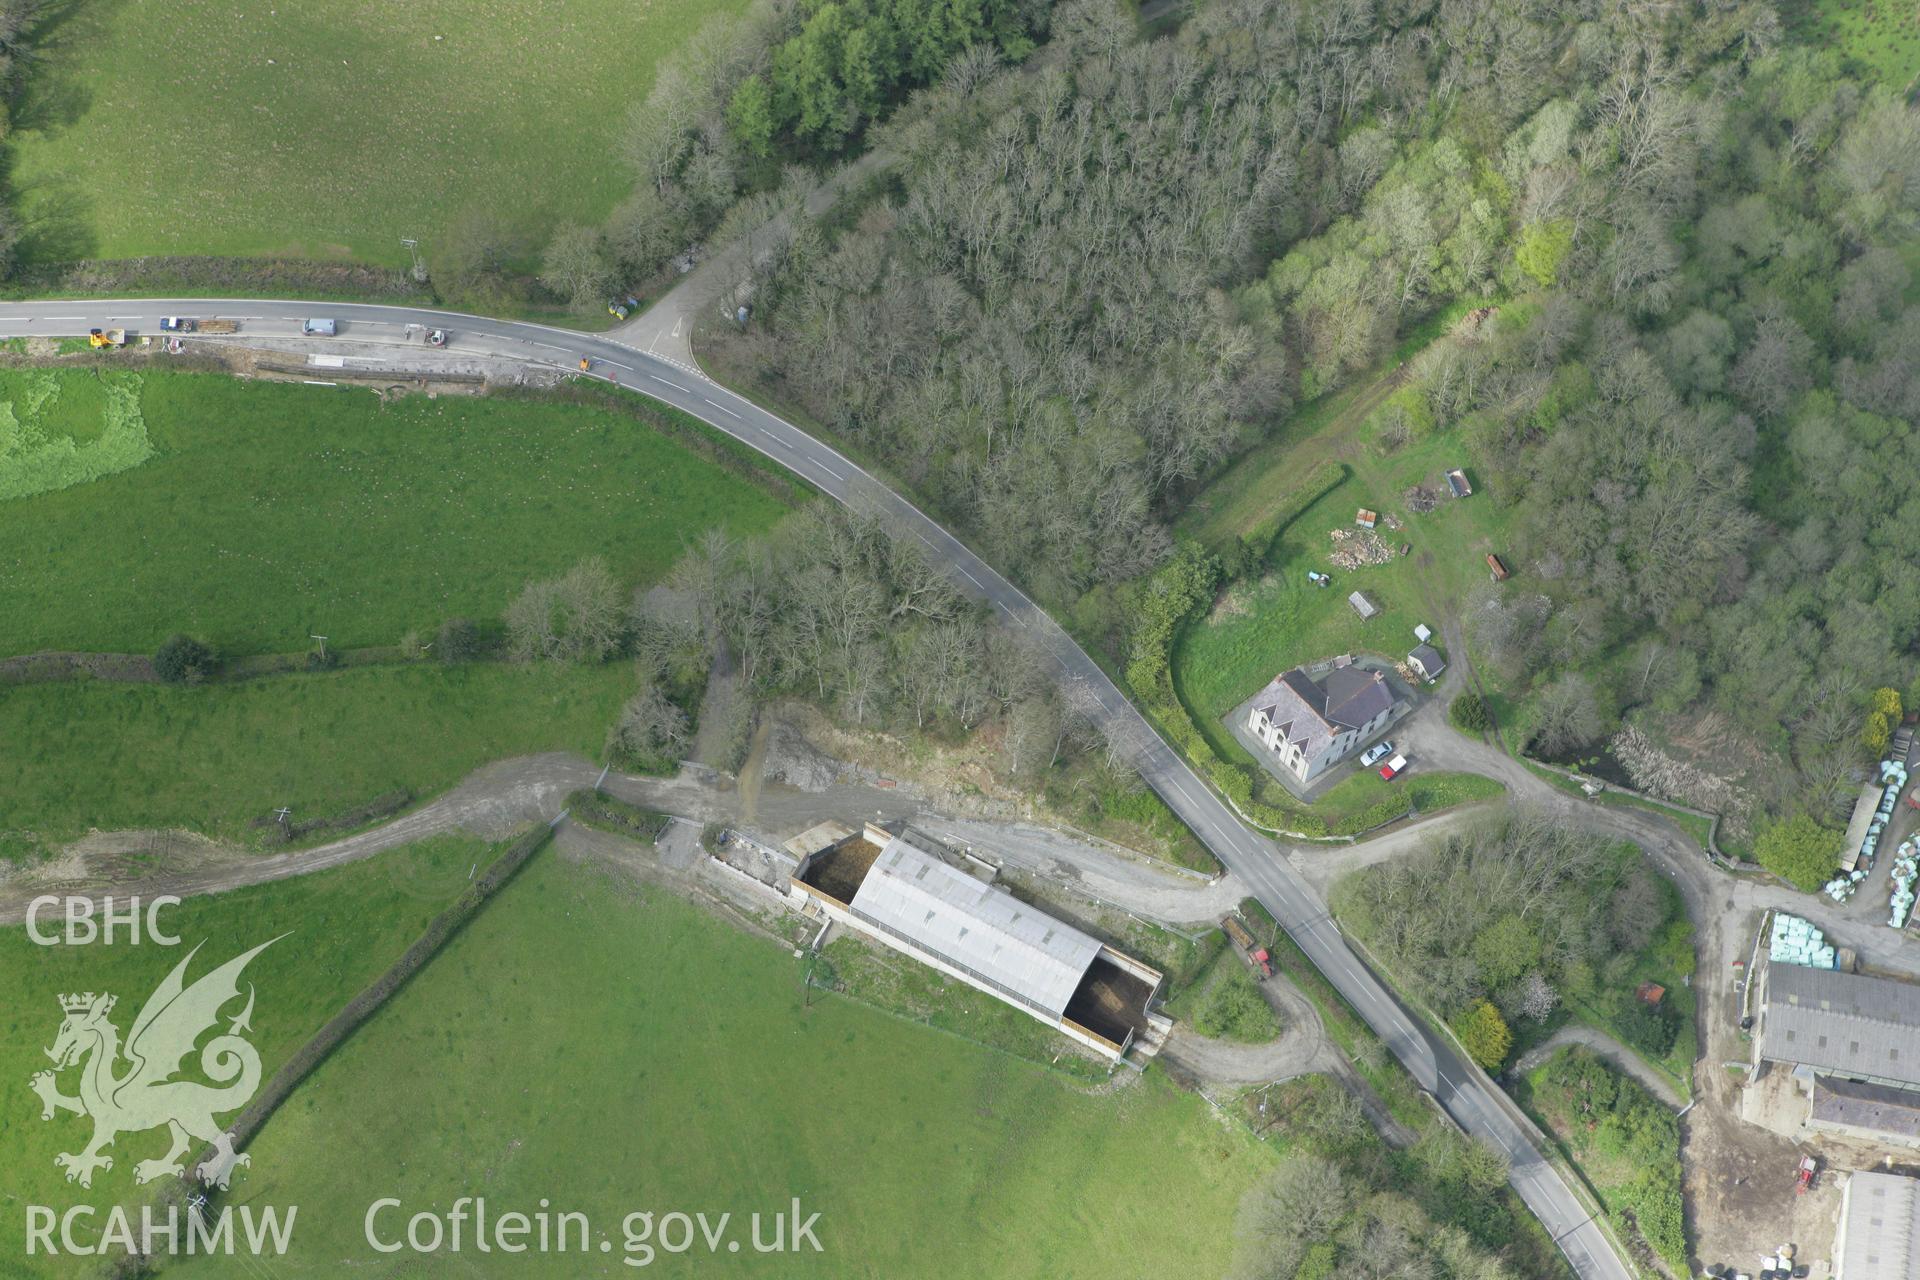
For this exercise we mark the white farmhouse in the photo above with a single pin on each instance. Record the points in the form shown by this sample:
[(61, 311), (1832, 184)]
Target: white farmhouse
[(1314, 724)]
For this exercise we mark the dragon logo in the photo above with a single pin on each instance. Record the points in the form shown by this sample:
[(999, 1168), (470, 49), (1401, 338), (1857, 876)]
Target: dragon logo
[(146, 1095)]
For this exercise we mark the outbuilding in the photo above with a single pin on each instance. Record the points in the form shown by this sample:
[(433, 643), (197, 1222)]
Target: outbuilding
[(1426, 660), (1363, 606), (1879, 1228), (951, 918)]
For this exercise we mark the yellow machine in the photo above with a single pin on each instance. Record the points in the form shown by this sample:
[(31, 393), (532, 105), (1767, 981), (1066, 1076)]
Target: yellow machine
[(97, 338)]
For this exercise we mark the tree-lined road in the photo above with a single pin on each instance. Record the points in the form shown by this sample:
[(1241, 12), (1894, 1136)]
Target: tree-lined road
[(382, 332)]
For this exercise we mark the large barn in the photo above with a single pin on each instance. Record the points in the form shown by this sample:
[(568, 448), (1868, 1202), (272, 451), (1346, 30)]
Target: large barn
[(948, 914)]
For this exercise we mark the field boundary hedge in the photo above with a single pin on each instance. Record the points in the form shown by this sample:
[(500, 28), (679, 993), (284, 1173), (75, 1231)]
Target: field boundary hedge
[(363, 1006), (1168, 602)]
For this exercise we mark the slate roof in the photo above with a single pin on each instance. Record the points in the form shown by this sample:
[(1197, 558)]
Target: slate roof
[(1309, 713), (1879, 1107), (1880, 1231), (1015, 948), (1849, 1024), (1428, 658)]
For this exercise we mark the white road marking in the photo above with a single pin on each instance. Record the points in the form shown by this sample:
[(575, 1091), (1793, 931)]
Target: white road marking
[(69, 319), (970, 578), (616, 364), (837, 476), (722, 408), (548, 345), (676, 386)]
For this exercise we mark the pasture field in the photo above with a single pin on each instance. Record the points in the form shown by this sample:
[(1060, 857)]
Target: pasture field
[(683, 1070), (214, 127), (1883, 35), (269, 512), (1278, 619), (346, 926), (211, 759)]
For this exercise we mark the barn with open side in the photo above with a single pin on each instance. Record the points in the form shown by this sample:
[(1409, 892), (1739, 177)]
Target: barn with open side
[(954, 919)]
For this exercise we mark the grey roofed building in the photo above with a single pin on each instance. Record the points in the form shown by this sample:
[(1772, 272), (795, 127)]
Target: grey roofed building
[(1844, 1024), (1312, 723), (1877, 1112), (1879, 1228), (1427, 661), (1361, 605), (1016, 949)]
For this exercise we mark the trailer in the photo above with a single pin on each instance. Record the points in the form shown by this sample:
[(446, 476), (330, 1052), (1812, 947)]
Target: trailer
[(1252, 952), (189, 324)]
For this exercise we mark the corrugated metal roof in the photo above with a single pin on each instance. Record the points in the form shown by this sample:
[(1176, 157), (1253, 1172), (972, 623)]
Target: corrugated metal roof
[(1847, 1023), (1880, 1231), (1018, 949)]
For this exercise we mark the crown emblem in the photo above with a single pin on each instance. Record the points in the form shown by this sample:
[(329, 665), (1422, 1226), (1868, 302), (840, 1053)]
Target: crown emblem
[(83, 1002)]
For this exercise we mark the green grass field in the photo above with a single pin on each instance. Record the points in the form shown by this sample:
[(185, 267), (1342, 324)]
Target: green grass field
[(211, 759), (228, 128), (347, 925), (1884, 35), (683, 1071), (270, 512), (1265, 626)]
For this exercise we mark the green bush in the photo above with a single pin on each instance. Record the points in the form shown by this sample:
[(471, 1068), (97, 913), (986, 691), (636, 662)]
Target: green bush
[(182, 660), (458, 641), (1234, 1009), (1485, 1034), (1650, 1028), (1469, 713), (1799, 851), (609, 813)]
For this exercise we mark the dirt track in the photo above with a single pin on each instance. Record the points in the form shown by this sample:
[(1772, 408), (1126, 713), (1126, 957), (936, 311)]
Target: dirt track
[(500, 798)]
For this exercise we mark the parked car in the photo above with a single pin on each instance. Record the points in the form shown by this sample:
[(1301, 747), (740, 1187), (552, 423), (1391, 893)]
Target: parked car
[(1377, 752), (319, 327), (1391, 769)]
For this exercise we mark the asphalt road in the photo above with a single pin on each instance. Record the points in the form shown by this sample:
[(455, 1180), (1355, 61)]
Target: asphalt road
[(382, 333)]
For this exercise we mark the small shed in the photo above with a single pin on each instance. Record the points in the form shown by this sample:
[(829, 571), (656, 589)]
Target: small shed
[(1499, 567), (1426, 660), (1422, 632), (1366, 519), (1457, 482), (1363, 606)]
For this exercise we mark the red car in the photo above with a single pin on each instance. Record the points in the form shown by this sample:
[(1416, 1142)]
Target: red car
[(1391, 769)]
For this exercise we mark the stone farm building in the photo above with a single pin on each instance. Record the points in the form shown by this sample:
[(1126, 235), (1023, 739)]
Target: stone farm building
[(1852, 1044), (947, 914), (1311, 725)]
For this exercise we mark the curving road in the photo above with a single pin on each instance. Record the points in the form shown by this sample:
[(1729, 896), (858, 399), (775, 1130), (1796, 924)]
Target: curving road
[(381, 333)]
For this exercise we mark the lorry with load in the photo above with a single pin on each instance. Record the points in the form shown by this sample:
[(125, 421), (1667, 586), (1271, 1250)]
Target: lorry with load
[(189, 324), (1255, 955)]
